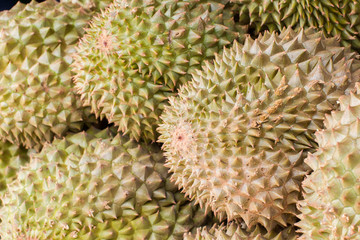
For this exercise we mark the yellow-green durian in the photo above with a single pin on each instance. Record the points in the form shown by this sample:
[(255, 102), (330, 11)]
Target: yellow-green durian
[(236, 136), (94, 185), (37, 96), (96, 5), (12, 157), (234, 231), (331, 206), (137, 52), (333, 17)]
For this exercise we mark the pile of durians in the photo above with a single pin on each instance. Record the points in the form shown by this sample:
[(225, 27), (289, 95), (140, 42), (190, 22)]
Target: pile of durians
[(180, 119)]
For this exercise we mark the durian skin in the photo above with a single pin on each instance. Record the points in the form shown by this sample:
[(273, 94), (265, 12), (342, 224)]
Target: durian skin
[(137, 52), (234, 231), (333, 17), (97, 5), (236, 136), (94, 185), (37, 96), (12, 157), (330, 209)]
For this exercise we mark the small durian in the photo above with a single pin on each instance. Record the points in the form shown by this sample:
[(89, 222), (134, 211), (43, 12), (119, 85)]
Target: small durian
[(333, 17), (331, 206), (234, 231), (236, 136), (94, 185), (137, 52), (37, 96)]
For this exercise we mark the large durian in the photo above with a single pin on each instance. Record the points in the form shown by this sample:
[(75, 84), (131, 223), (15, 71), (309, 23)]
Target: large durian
[(91, 185), (138, 52), (331, 205), (237, 134), (235, 231), (37, 99), (333, 17)]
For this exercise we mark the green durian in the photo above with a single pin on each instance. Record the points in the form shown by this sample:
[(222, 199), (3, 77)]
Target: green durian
[(12, 157), (137, 52), (235, 231), (331, 206), (37, 97), (93, 185), (236, 136), (333, 17)]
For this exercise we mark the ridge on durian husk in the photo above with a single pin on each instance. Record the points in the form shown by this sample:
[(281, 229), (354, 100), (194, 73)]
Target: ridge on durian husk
[(12, 157), (236, 136), (37, 98), (330, 209), (137, 52), (94, 185), (234, 231), (334, 17)]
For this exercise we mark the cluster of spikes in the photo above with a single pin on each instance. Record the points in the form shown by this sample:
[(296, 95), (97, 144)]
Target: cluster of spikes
[(234, 231), (180, 119), (146, 49), (333, 17), (236, 136), (36, 95)]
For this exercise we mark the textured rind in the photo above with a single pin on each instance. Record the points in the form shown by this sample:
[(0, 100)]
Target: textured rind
[(137, 52), (234, 231), (97, 5), (236, 136), (330, 209), (37, 95), (92, 185), (334, 17), (12, 157)]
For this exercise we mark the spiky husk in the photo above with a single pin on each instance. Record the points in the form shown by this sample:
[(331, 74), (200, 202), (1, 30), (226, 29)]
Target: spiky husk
[(91, 185), (12, 157), (235, 231), (334, 17), (97, 5), (138, 52), (236, 136), (330, 209), (37, 97)]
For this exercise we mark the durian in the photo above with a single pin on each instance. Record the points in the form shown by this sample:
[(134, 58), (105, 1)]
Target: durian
[(330, 209), (236, 136), (37, 99), (12, 157), (97, 5), (137, 52), (333, 17), (235, 231), (91, 185)]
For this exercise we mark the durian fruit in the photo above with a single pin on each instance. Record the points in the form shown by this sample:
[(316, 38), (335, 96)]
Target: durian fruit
[(261, 15), (37, 97), (236, 136), (137, 52), (93, 4), (333, 17), (330, 209), (12, 157), (91, 185), (235, 231)]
